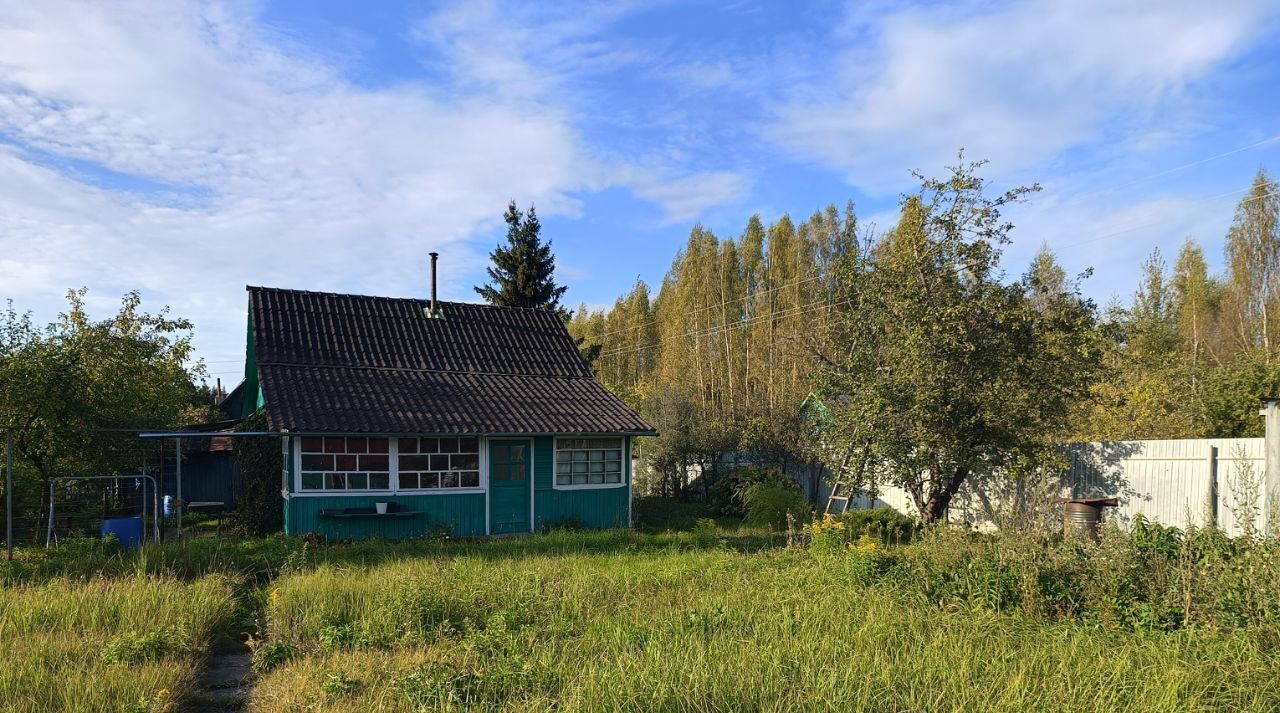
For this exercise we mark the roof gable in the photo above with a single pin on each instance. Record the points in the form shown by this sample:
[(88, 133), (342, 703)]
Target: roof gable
[(323, 329), (338, 363)]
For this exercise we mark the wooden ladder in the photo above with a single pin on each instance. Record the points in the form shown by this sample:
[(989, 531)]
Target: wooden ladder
[(835, 495)]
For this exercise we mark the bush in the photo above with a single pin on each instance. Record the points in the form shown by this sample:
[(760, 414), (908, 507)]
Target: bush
[(728, 495), (260, 506), (885, 524), (768, 504)]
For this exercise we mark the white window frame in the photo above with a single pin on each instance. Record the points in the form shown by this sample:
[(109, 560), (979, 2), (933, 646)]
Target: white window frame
[(393, 465), (624, 460)]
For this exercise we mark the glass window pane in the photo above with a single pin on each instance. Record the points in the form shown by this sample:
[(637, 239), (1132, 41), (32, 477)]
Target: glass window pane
[(597, 455), (562, 479), (613, 477), (613, 455), (581, 455), (408, 445), (597, 478), (358, 481), (344, 462), (468, 461), (317, 462), (313, 444), (563, 467), (448, 445), (377, 445), (408, 481), (613, 466), (313, 481), (563, 456), (429, 480), (415, 462), (449, 480), (580, 467), (376, 462), (517, 452), (468, 445), (428, 445), (597, 467), (379, 481), (357, 445), (336, 481), (471, 479), (335, 444), (439, 462), (579, 479)]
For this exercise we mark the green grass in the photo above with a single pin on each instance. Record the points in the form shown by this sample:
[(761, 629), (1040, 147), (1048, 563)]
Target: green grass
[(711, 630), (106, 645), (664, 619)]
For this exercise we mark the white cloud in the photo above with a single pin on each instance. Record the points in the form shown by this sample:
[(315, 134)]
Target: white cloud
[(277, 170), (1017, 83)]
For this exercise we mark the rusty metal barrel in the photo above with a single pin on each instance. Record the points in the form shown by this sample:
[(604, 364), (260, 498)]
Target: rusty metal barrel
[(1082, 516)]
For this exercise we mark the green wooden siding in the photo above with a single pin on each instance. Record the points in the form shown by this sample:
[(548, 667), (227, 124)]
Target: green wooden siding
[(595, 507), (463, 512)]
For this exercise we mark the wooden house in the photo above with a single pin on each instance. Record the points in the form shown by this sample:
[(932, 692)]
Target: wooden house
[(402, 416)]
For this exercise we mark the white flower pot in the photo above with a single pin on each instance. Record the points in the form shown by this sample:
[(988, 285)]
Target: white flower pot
[(381, 508)]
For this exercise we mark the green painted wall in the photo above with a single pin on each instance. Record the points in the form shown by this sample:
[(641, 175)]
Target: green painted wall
[(463, 512), (252, 390), (595, 508)]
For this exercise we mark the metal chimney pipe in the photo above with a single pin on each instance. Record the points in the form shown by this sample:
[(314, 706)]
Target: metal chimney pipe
[(434, 257)]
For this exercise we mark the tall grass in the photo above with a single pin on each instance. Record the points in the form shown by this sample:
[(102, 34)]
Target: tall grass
[(106, 645), (713, 630)]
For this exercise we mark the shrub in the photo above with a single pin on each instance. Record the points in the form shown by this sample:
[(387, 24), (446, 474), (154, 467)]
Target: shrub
[(885, 524), (728, 495), (132, 647), (259, 506), (768, 504)]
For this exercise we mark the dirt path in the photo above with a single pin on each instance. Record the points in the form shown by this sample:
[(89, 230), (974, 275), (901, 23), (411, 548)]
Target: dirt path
[(225, 684)]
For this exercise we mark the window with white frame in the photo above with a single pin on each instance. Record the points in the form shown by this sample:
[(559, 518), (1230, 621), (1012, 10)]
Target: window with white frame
[(438, 463), (333, 463), (588, 461)]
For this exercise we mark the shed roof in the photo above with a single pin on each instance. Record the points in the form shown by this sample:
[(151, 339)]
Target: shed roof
[(359, 364)]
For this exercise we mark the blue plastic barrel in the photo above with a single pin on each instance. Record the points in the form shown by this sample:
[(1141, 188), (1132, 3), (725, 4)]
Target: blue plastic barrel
[(127, 529)]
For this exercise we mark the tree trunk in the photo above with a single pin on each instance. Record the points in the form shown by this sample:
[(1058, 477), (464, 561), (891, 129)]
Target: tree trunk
[(935, 508)]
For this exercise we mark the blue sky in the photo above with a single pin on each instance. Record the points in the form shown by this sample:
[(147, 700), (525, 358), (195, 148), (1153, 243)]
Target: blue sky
[(186, 149)]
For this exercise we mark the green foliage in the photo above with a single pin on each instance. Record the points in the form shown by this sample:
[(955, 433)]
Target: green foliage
[(73, 389), (268, 655), (260, 507), (134, 647), (728, 495), (523, 271), (935, 367), (884, 524), (768, 505)]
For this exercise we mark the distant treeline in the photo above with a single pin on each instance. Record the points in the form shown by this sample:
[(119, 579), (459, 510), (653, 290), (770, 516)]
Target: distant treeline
[(723, 355)]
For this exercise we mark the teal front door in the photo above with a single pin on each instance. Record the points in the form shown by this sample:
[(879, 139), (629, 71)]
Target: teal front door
[(509, 480)]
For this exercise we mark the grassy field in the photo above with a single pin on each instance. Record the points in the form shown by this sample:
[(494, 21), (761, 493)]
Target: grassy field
[(713, 617), (106, 645), (709, 630)]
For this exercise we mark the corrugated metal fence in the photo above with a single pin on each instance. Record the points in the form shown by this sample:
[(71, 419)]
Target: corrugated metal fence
[(1173, 482)]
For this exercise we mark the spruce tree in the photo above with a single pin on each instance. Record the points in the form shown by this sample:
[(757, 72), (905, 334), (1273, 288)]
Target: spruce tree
[(523, 270)]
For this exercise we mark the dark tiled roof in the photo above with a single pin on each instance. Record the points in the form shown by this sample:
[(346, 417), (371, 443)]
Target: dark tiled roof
[(354, 364)]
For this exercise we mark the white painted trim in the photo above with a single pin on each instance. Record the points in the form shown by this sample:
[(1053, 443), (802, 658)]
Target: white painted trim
[(588, 486), (393, 472)]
